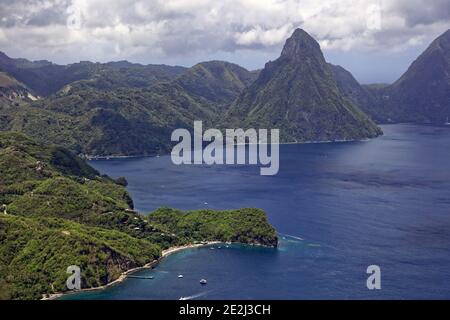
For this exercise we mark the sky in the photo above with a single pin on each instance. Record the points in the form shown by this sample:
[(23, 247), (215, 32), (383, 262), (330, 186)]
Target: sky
[(374, 39)]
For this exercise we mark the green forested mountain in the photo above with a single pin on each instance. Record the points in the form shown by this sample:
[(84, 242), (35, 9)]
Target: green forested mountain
[(122, 108), (422, 94), (45, 78), (298, 94), (94, 108), (35, 254), (366, 97), (242, 225), (119, 122), (13, 92), (57, 211), (217, 81)]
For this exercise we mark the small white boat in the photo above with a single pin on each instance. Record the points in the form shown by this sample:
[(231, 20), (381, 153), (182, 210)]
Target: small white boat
[(447, 123), (203, 281), (180, 276)]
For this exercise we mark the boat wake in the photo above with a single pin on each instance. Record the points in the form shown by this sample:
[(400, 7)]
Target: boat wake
[(291, 236), (194, 296)]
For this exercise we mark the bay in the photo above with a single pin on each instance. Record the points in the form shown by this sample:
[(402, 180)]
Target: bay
[(338, 208)]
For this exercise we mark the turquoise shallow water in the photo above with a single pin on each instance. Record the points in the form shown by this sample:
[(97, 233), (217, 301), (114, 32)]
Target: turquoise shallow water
[(345, 206)]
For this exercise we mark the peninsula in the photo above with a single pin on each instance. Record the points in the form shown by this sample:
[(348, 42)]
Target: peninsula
[(58, 211)]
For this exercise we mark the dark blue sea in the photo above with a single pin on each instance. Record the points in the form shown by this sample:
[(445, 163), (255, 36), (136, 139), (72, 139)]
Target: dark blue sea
[(338, 208)]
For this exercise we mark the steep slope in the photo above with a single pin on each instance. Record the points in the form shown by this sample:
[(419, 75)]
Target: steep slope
[(14, 92), (46, 78), (38, 180), (104, 123), (101, 116), (216, 81), (242, 225), (57, 211), (422, 94), (35, 254), (363, 96), (298, 94), (115, 108)]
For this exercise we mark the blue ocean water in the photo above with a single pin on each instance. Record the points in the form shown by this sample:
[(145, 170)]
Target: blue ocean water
[(338, 207)]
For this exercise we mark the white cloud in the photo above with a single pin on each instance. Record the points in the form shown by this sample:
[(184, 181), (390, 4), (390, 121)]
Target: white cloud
[(263, 37), (124, 29)]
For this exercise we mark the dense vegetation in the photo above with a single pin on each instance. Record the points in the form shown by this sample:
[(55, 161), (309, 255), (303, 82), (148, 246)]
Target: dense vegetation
[(298, 94), (35, 253), (57, 211), (129, 109), (362, 96), (120, 108), (243, 225), (45, 78), (217, 81), (122, 122), (421, 95)]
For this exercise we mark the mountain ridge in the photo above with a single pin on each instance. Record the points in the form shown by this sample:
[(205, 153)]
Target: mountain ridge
[(46, 78), (56, 211), (114, 114), (298, 94), (422, 93)]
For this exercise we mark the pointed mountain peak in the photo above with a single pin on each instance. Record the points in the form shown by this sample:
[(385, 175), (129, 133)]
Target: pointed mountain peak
[(299, 44), (4, 55), (446, 34), (444, 40)]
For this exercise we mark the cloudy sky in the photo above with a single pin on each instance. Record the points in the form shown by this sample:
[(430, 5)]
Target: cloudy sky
[(375, 39)]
